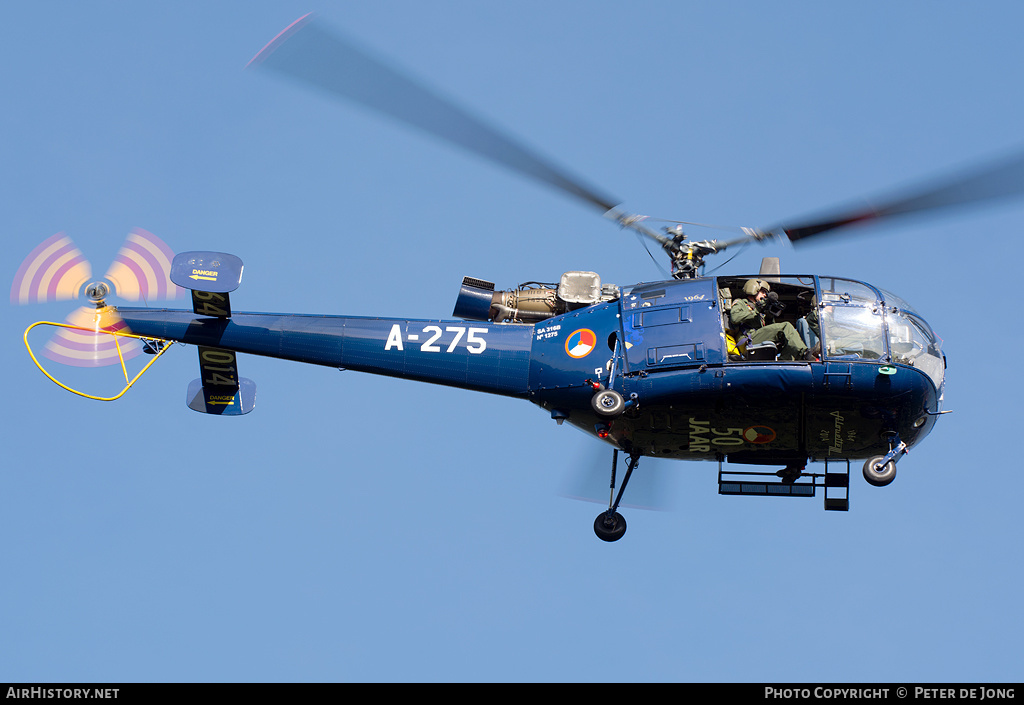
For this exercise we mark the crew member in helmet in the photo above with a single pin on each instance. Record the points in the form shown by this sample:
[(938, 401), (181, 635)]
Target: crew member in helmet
[(750, 316)]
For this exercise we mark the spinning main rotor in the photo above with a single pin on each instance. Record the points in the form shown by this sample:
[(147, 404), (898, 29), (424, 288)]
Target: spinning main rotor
[(313, 54)]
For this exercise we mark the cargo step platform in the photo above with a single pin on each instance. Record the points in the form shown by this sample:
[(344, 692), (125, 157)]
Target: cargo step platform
[(836, 485)]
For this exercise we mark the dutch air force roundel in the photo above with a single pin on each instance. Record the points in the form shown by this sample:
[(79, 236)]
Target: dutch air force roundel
[(759, 434), (580, 343)]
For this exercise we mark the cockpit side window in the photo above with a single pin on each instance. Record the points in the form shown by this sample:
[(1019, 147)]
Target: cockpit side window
[(853, 332), (851, 320)]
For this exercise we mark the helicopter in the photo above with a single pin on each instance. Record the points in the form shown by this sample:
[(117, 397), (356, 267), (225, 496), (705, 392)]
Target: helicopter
[(658, 369)]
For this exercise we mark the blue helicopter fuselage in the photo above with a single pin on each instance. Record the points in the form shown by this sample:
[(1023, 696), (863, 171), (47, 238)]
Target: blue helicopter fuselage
[(666, 347)]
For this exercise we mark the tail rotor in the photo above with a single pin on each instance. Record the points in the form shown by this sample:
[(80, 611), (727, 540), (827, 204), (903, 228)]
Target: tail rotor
[(57, 270)]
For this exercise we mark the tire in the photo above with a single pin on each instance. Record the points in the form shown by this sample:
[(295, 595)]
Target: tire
[(879, 476), (608, 403), (609, 528)]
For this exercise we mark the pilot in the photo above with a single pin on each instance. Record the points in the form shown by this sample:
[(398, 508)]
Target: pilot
[(749, 316)]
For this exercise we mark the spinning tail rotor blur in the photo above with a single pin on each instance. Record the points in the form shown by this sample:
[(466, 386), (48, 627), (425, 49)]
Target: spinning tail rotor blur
[(57, 270)]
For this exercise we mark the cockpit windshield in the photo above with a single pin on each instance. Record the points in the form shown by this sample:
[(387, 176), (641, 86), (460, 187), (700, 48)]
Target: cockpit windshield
[(843, 319), (858, 323), (894, 301), (911, 339)]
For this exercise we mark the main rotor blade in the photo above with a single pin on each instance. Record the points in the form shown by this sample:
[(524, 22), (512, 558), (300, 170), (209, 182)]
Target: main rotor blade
[(313, 54), (993, 181)]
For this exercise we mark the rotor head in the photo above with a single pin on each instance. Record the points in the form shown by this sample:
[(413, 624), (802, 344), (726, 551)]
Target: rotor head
[(97, 293)]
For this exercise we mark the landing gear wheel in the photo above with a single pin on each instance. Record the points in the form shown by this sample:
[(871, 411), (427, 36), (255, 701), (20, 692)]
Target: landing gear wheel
[(877, 474), (609, 527), (608, 403)]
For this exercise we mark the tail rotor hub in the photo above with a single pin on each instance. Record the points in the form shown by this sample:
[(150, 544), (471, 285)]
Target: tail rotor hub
[(97, 293)]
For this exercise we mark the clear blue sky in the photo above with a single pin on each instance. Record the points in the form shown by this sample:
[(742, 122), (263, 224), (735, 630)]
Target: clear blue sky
[(363, 528)]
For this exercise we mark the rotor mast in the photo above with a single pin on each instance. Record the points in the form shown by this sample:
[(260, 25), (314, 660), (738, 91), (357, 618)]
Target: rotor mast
[(687, 256)]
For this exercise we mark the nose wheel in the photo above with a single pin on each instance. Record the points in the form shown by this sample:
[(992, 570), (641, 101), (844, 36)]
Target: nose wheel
[(881, 470), (878, 472), (610, 525)]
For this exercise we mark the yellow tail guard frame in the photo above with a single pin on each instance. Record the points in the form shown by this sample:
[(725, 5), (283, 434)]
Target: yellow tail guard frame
[(115, 334)]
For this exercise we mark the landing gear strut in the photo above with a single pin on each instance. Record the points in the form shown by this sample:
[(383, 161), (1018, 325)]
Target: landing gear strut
[(610, 525)]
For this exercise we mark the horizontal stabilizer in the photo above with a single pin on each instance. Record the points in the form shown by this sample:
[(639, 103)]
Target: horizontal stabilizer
[(220, 400), (210, 276), (216, 272)]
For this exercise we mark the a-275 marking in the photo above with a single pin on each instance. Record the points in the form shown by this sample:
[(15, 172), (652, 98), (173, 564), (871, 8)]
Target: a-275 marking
[(475, 344)]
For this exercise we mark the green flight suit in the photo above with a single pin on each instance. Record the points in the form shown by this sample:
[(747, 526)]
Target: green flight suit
[(745, 317)]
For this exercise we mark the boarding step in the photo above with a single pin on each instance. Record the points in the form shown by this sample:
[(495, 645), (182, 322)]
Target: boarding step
[(835, 484)]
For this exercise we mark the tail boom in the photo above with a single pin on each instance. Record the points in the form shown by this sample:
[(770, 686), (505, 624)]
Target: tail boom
[(489, 358)]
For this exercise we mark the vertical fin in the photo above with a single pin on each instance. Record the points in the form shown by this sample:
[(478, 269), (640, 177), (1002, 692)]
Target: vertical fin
[(219, 390)]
